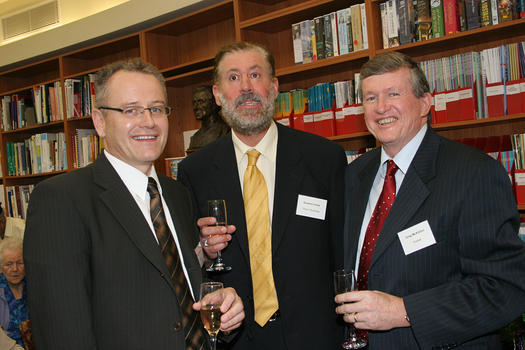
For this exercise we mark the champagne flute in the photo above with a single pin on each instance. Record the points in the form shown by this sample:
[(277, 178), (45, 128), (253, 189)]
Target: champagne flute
[(217, 208), (345, 281), (212, 296)]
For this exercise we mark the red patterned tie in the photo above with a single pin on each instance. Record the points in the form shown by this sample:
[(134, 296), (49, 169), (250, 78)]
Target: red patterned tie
[(385, 202), (193, 328)]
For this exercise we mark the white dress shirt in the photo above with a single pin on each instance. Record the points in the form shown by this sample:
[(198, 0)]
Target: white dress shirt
[(266, 162)]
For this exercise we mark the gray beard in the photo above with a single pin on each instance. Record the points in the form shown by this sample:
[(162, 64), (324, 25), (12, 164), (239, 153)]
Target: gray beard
[(249, 126)]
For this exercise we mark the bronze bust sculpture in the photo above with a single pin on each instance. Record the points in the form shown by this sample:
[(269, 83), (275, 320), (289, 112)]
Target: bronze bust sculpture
[(206, 111)]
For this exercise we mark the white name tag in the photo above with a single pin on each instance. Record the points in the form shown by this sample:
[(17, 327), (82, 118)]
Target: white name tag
[(311, 207), (417, 237)]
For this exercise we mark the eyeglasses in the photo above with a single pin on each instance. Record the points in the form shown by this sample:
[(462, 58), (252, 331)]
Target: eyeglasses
[(138, 111)]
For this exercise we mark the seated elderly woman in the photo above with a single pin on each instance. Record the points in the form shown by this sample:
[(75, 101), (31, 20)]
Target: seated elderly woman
[(13, 299)]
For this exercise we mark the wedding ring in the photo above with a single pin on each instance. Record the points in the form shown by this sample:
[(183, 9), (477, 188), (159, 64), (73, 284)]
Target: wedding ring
[(355, 317), (206, 243)]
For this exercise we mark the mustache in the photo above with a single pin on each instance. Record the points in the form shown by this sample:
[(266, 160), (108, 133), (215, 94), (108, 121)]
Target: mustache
[(248, 96)]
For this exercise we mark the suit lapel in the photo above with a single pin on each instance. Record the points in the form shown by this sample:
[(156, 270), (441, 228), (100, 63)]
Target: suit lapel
[(123, 206), (289, 175), (225, 173), (412, 194)]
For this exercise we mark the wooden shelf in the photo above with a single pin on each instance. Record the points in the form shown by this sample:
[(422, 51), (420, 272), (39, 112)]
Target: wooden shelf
[(343, 65), (90, 60), (472, 40), (205, 63), (283, 19), (191, 37), (25, 78)]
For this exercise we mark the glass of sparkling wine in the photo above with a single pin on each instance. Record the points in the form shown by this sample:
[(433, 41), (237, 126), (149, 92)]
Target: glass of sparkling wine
[(212, 296), (345, 281), (217, 208)]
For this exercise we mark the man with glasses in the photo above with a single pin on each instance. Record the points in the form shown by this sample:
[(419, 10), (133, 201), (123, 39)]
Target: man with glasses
[(109, 248)]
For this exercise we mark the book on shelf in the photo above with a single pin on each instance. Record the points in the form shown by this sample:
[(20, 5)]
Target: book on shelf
[(342, 31), (307, 55), (349, 29), (384, 24), (297, 43), (329, 44), (19, 102), (330, 35), (172, 166), (472, 11), (494, 11), (335, 36), (462, 15), (88, 93), (73, 88), (451, 18), (405, 10), (485, 13), (393, 23), (319, 37), (364, 27), (438, 18), (6, 113), (357, 27), (87, 147), (314, 40), (505, 10), (18, 200), (40, 153)]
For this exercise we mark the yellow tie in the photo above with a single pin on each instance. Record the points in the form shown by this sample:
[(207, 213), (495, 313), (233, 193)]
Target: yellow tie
[(260, 241)]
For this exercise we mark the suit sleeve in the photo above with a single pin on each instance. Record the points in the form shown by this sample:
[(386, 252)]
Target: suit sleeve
[(57, 261), (490, 291)]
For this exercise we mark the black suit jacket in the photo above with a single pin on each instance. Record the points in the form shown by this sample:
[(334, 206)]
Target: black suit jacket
[(472, 281), (96, 276), (306, 251)]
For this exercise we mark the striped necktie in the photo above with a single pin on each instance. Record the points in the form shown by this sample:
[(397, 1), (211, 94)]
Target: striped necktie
[(193, 328)]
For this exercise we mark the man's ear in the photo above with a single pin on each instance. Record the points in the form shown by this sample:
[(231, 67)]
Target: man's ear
[(216, 95), (99, 122)]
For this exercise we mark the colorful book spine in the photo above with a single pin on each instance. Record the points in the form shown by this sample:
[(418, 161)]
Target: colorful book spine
[(438, 18), (450, 11)]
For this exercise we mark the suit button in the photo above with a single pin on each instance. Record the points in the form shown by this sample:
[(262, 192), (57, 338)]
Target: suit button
[(177, 326), (249, 297), (249, 337)]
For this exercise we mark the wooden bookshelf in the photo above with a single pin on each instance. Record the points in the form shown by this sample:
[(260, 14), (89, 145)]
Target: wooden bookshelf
[(183, 49)]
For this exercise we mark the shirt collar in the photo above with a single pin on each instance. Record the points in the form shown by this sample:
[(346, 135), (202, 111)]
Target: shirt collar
[(267, 146), (135, 180), (404, 158)]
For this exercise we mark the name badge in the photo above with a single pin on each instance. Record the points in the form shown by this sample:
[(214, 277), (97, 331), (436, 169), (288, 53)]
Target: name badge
[(417, 237), (311, 207)]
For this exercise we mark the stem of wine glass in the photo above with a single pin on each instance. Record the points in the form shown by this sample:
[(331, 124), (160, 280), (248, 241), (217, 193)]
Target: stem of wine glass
[(353, 335), (213, 341), (219, 256)]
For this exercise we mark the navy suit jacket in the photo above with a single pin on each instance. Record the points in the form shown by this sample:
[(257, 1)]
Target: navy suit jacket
[(306, 251), (96, 276), (472, 281)]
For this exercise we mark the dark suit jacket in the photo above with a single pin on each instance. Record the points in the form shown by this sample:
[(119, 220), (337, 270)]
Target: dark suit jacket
[(96, 276), (472, 281), (306, 251)]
